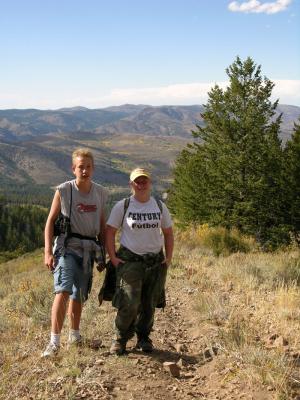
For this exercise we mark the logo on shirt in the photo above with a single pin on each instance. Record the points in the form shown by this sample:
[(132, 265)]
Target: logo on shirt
[(86, 208), (144, 220)]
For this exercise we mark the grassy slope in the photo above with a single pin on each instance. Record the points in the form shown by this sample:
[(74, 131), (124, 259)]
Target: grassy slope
[(245, 304)]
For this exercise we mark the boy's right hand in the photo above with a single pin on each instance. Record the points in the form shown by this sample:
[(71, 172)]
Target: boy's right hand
[(116, 261), (49, 261)]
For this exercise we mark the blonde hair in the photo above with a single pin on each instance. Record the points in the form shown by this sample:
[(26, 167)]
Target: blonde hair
[(82, 153)]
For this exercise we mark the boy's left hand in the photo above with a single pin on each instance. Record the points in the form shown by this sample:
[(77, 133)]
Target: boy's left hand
[(100, 267)]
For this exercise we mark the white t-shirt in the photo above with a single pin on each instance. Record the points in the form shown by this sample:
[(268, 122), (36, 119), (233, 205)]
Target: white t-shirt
[(141, 230)]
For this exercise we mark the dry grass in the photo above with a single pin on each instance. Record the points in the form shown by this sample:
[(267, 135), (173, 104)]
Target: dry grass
[(26, 299), (246, 303)]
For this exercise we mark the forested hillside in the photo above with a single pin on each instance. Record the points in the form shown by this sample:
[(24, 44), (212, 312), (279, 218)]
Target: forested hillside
[(21, 229)]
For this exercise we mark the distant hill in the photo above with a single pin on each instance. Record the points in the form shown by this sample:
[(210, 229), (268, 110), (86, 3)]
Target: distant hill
[(157, 121), (35, 145), (20, 125)]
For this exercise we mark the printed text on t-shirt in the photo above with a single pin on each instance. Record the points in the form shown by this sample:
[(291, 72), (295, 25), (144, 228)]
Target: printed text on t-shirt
[(140, 219), (86, 207)]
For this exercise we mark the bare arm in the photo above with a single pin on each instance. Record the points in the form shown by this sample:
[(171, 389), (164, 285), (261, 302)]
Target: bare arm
[(169, 244), (53, 214), (110, 245)]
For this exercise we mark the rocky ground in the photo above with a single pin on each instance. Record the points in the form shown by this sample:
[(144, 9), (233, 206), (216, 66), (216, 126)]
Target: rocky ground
[(188, 363)]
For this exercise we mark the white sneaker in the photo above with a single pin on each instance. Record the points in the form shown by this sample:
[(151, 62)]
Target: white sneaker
[(75, 341), (51, 351)]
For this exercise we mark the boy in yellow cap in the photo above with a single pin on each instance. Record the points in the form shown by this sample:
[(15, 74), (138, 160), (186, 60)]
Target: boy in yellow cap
[(141, 264)]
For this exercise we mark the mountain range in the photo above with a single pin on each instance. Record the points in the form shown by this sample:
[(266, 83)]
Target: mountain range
[(35, 145)]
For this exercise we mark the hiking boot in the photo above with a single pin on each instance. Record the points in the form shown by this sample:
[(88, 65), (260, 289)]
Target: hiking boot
[(75, 341), (145, 344), (118, 347), (51, 351)]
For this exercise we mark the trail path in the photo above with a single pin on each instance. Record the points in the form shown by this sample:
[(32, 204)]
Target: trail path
[(198, 367)]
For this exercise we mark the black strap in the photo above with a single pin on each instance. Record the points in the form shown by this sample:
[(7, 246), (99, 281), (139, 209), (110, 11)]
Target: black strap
[(159, 203), (68, 234), (82, 237), (70, 209), (126, 205)]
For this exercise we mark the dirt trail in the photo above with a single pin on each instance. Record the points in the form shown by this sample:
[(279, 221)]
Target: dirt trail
[(198, 370)]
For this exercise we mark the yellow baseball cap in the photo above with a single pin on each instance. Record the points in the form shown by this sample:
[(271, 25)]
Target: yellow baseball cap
[(139, 172)]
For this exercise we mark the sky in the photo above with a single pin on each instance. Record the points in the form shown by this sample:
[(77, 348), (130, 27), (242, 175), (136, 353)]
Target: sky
[(100, 53)]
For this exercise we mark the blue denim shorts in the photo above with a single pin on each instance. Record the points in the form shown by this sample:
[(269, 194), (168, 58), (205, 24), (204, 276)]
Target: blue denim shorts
[(70, 277)]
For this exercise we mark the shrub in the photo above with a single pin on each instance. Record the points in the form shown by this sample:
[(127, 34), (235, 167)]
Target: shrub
[(219, 240), (223, 241), (288, 272)]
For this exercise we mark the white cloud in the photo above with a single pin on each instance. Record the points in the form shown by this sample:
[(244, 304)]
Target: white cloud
[(180, 94), (255, 6), (287, 91)]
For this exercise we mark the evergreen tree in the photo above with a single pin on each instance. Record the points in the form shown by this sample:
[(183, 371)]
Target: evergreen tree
[(293, 179), (21, 228), (232, 174)]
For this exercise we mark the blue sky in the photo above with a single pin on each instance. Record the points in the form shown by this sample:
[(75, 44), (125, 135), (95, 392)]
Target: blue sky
[(94, 53)]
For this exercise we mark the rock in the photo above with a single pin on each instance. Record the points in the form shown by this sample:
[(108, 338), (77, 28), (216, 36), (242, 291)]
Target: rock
[(280, 341), (99, 361), (189, 375), (95, 343), (190, 291), (136, 361), (273, 337), (173, 368), (276, 340), (134, 356), (180, 348), (172, 388), (208, 354), (105, 354), (180, 363)]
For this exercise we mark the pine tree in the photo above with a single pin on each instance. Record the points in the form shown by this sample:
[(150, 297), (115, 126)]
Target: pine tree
[(292, 151), (232, 174)]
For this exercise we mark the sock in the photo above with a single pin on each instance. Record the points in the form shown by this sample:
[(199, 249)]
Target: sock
[(74, 333), (55, 339)]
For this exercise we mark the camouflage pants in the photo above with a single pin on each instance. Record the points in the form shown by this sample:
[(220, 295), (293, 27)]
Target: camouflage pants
[(140, 283)]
